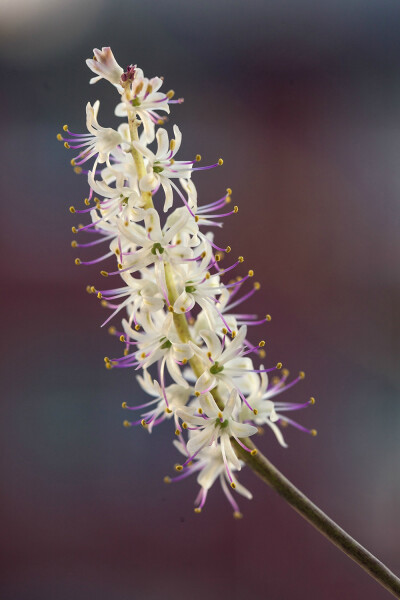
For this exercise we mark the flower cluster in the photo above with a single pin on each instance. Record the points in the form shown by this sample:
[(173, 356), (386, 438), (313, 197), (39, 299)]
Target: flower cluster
[(179, 327)]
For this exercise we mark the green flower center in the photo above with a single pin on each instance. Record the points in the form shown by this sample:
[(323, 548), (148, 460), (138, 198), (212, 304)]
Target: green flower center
[(157, 246), (190, 289), (216, 368)]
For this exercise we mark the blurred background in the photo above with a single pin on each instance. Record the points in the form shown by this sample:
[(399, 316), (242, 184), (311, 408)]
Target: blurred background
[(302, 100)]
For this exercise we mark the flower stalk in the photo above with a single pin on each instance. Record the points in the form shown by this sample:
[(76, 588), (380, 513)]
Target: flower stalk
[(180, 328)]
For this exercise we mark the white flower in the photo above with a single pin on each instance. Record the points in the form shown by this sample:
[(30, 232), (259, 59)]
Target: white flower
[(174, 396), (210, 466), (214, 424), (105, 66), (223, 362), (99, 142), (162, 167), (145, 101)]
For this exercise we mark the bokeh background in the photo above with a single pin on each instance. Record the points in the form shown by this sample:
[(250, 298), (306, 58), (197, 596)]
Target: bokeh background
[(302, 100)]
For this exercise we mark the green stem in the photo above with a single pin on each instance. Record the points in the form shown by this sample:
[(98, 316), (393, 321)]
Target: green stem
[(274, 478), (258, 462), (307, 509)]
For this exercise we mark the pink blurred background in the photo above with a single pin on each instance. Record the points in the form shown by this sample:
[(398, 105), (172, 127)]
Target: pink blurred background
[(302, 100)]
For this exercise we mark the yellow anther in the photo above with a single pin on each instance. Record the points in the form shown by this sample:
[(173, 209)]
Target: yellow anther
[(283, 423), (233, 485), (172, 144), (233, 334), (93, 289), (170, 94), (73, 163), (184, 425), (72, 209), (262, 354), (106, 359), (139, 88), (65, 127), (255, 411), (224, 330), (220, 162), (240, 259), (99, 295), (77, 261), (182, 309), (124, 405), (143, 355), (200, 411), (137, 327), (279, 365), (178, 468), (74, 230), (197, 394), (89, 289), (260, 431), (302, 374), (143, 423), (177, 432), (261, 343), (59, 137), (168, 411), (285, 372), (228, 249), (237, 515), (196, 219), (312, 400), (235, 209), (122, 338), (104, 273), (172, 160), (207, 275), (268, 317), (126, 352), (77, 170), (74, 243), (314, 432), (209, 355), (66, 145), (167, 479), (218, 257), (108, 365), (119, 266), (220, 415), (149, 89), (253, 452), (104, 303), (87, 201), (171, 308), (198, 157), (117, 251), (250, 273), (126, 424), (197, 510), (184, 361), (229, 191)]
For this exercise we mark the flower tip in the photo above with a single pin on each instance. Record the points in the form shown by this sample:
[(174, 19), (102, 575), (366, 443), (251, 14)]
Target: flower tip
[(254, 452), (178, 468), (65, 127), (66, 145), (198, 157), (279, 365), (233, 485), (104, 273), (220, 162), (312, 400), (59, 137), (302, 375), (72, 210), (77, 261), (314, 432), (143, 423), (124, 405)]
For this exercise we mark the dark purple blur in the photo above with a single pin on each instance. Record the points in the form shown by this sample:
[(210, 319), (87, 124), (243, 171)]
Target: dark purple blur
[(302, 101)]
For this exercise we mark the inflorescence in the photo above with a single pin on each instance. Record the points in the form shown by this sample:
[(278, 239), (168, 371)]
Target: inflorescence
[(179, 328)]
